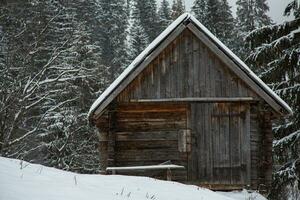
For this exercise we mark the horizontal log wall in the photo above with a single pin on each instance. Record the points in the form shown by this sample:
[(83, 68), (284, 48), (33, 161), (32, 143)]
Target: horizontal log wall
[(147, 134)]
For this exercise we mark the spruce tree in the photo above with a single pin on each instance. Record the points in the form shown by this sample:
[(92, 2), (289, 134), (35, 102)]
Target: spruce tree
[(276, 54), (227, 27), (178, 8), (146, 11), (199, 9), (251, 14), (138, 39), (112, 29), (50, 69), (213, 17), (216, 15), (164, 14)]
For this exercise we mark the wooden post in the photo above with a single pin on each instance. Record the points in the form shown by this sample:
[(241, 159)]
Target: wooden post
[(169, 174), (265, 174), (111, 136), (103, 144)]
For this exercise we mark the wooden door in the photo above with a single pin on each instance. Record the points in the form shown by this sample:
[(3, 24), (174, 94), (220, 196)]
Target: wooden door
[(221, 144)]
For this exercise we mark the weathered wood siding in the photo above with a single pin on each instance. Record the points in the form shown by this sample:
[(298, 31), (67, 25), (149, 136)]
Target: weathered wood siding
[(261, 148), (186, 68), (222, 145), (148, 134), (221, 150), (256, 138)]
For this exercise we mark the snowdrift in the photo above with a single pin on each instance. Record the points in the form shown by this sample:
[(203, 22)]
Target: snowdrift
[(21, 180)]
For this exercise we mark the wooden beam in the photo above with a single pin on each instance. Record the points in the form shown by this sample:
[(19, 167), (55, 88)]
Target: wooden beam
[(219, 187), (196, 99), (111, 143), (146, 167)]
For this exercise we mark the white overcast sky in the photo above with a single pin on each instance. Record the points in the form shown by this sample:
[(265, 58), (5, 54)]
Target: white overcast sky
[(276, 8)]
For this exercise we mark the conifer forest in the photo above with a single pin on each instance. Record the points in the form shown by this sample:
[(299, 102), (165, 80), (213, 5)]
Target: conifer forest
[(58, 56)]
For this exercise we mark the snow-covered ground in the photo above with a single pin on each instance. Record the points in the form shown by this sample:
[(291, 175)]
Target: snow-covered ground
[(24, 181)]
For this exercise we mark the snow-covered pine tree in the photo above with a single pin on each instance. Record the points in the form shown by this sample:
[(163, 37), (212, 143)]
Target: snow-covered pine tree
[(146, 11), (276, 50), (138, 39), (21, 72), (112, 29), (227, 27), (213, 17), (199, 9), (178, 8), (69, 141), (164, 14), (251, 14), (4, 84), (49, 69), (216, 15)]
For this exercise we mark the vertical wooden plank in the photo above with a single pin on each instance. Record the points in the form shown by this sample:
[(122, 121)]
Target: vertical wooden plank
[(224, 145), (236, 144), (212, 77), (243, 142), (175, 71), (190, 153), (195, 156), (218, 79), (157, 75), (139, 92), (255, 141), (202, 69), (181, 51), (196, 68), (103, 144), (207, 73), (267, 139), (248, 145), (171, 71), (168, 74), (162, 75), (190, 68), (183, 66), (209, 140), (215, 140), (111, 137)]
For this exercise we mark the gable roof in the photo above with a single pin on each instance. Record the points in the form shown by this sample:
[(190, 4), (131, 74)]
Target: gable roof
[(188, 21)]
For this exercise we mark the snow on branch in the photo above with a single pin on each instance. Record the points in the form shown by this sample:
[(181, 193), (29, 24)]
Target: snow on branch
[(271, 32)]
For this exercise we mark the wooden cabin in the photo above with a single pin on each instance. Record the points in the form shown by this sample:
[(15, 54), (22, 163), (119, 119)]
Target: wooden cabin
[(189, 101)]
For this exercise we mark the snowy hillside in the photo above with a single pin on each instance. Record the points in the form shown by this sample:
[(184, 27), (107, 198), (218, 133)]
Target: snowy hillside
[(23, 181)]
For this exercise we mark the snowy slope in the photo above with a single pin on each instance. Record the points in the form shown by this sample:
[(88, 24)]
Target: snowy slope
[(23, 181)]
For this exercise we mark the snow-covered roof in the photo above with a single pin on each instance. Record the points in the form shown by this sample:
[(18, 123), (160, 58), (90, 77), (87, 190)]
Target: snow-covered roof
[(100, 104)]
